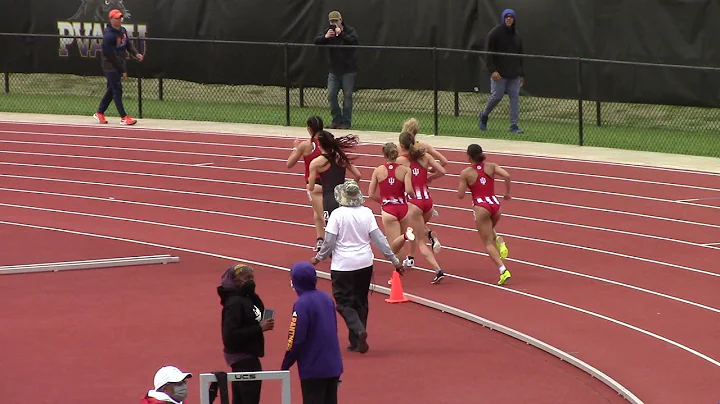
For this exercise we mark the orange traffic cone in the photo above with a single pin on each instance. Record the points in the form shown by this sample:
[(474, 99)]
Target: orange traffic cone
[(396, 290)]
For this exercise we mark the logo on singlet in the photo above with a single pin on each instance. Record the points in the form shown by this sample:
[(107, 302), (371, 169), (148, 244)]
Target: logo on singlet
[(416, 171), (483, 180), (391, 180)]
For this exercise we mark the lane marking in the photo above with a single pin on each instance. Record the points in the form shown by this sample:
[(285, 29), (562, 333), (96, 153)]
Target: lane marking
[(203, 164), (532, 296), (288, 222), (288, 149), (567, 357), (300, 174), (446, 149)]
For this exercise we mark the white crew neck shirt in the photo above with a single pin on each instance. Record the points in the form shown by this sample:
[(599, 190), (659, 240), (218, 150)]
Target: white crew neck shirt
[(353, 226)]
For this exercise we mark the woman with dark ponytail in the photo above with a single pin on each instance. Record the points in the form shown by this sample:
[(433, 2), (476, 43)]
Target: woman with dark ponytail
[(331, 165), (419, 162), (480, 179), (308, 150)]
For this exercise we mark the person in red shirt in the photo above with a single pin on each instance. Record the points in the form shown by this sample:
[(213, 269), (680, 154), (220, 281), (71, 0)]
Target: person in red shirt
[(419, 162), (389, 186), (170, 387), (307, 150), (480, 179)]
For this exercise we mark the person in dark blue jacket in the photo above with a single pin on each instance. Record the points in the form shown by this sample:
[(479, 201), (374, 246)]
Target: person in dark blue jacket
[(115, 47), (313, 339)]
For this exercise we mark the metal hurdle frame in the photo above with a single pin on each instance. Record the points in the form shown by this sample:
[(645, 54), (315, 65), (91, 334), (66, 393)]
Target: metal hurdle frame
[(282, 375)]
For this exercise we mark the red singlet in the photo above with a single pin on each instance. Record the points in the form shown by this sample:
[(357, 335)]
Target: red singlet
[(309, 158), (392, 193), (421, 194), (483, 190)]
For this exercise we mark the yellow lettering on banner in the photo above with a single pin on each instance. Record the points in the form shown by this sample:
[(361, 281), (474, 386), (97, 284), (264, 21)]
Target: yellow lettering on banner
[(291, 333)]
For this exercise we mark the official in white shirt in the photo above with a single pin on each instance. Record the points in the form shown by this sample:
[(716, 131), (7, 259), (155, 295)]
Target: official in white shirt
[(348, 234)]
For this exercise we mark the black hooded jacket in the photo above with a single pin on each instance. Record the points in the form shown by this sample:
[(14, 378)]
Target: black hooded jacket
[(507, 40), (341, 60), (241, 315)]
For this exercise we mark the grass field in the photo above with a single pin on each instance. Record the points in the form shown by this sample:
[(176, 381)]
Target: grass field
[(682, 130)]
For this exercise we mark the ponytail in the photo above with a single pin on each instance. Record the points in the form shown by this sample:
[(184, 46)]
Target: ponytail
[(336, 147), (407, 141), (475, 152)]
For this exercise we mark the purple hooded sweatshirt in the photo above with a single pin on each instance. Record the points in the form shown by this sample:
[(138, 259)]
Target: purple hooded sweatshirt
[(313, 337)]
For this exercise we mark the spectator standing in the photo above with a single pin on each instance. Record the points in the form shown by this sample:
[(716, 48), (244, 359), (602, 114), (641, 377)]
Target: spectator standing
[(508, 74), (343, 68), (242, 329), (115, 47), (170, 386), (348, 234), (313, 338)]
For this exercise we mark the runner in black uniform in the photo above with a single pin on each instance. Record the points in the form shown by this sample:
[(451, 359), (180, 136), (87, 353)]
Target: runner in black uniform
[(332, 165)]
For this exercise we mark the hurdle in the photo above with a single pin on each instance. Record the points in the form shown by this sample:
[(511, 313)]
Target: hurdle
[(88, 264), (282, 375)]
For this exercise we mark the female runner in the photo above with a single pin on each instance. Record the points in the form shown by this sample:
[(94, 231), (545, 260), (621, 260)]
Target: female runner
[(412, 127), (420, 200), (331, 166), (480, 178), (390, 184), (308, 150)]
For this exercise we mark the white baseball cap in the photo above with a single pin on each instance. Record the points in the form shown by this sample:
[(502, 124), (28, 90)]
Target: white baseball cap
[(169, 374)]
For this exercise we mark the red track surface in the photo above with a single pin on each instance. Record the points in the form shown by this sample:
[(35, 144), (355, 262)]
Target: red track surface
[(634, 295)]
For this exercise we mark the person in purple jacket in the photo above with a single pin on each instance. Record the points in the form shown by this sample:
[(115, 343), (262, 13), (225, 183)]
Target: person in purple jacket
[(313, 339)]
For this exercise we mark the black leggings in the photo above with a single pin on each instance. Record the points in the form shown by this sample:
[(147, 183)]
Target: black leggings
[(350, 290), (246, 392), (320, 391), (329, 205)]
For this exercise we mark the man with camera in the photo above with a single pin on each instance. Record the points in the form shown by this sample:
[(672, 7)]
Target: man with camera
[(343, 68)]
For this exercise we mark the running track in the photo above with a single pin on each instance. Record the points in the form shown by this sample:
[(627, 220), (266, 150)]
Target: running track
[(616, 265)]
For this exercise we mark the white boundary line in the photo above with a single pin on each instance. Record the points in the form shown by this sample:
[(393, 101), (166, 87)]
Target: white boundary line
[(292, 223), (298, 189), (262, 239), (287, 149), (369, 168), (72, 156), (568, 245), (564, 356), (448, 149)]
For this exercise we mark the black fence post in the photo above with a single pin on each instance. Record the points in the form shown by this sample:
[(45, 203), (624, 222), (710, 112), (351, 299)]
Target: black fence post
[(287, 85), (435, 89), (139, 84), (457, 104), (161, 94), (598, 115), (580, 101), (7, 82)]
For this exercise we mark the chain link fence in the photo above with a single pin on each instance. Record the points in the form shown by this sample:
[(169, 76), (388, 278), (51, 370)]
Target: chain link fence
[(579, 120)]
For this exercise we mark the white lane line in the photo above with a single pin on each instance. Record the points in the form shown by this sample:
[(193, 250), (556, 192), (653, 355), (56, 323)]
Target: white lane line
[(300, 174), (203, 164), (532, 296), (415, 298), (288, 222), (446, 149), (288, 149)]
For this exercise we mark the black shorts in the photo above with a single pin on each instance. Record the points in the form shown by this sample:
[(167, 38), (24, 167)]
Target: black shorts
[(329, 205), (318, 181)]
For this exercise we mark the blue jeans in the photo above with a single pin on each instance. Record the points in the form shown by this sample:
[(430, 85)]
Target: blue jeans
[(497, 90), (347, 83), (113, 92)]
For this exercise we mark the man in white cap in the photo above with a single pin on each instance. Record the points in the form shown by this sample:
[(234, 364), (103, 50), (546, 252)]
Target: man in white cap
[(170, 387)]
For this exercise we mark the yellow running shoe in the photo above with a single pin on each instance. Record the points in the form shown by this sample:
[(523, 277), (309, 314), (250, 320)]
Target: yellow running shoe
[(502, 248), (504, 277)]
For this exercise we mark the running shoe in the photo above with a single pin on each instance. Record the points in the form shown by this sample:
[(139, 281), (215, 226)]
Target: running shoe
[(435, 241), (502, 248), (409, 262), (409, 235), (438, 276), (100, 117), (504, 277), (435, 213)]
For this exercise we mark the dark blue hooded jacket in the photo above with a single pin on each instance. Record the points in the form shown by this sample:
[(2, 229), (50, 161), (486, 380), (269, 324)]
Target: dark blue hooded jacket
[(313, 337), (507, 40)]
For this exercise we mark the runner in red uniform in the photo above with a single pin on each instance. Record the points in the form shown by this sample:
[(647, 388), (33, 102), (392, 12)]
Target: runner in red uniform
[(480, 179), (389, 185), (419, 162), (308, 150)]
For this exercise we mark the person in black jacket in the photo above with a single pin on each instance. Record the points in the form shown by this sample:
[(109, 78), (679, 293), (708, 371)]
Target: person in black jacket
[(343, 68), (242, 329), (507, 74)]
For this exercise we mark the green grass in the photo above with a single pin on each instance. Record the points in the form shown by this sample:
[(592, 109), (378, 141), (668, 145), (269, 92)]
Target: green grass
[(661, 128)]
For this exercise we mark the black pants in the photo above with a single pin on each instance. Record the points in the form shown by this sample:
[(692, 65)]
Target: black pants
[(246, 392), (350, 290), (113, 92), (320, 391)]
